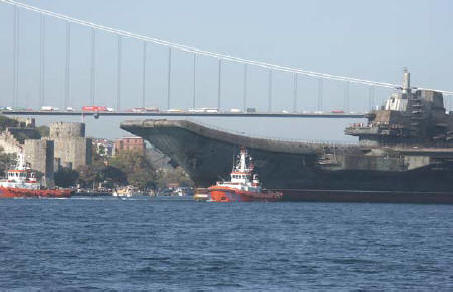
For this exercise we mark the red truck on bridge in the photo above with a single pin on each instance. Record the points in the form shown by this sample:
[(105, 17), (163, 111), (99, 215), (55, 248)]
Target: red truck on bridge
[(95, 108)]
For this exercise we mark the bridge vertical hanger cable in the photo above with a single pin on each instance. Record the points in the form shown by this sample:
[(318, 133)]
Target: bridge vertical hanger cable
[(68, 60), (93, 64), (190, 49), (15, 55), (371, 102), (194, 86), (144, 75), (346, 97), (42, 60), (219, 84), (269, 93), (295, 79), (169, 79), (244, 97), (118, 74), (320, 94)]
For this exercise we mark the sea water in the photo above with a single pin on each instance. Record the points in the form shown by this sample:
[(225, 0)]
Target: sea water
[(149, 244)]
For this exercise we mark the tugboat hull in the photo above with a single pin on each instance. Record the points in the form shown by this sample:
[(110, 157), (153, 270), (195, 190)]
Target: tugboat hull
[(29, 193), (224, 194)]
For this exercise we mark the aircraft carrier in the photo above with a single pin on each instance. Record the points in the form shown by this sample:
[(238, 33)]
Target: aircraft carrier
[(404, 154)]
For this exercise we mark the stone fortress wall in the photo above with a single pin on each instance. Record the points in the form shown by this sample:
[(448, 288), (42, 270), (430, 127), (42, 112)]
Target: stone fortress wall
[(9, 143), (66, 146), (71, 147), (40, 154), (66, 130)]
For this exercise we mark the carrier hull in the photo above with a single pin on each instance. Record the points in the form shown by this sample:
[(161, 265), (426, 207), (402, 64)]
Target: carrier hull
[(295, 165), (357, 196)]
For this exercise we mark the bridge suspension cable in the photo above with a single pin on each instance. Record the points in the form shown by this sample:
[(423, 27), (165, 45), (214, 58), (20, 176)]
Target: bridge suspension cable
[(16, 55), (225, 57)]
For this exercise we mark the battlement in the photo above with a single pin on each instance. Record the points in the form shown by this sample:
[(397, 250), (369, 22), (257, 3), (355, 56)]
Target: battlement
[(66, 130)]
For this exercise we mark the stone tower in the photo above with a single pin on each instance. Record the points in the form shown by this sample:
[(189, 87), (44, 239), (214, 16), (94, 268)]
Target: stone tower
[(40, 155), (72, 149)]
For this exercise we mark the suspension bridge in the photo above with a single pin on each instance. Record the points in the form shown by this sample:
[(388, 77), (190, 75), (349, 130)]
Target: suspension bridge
[(220, 103)]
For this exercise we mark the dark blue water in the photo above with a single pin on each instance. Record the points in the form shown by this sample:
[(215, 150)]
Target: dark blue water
[(184, 245)]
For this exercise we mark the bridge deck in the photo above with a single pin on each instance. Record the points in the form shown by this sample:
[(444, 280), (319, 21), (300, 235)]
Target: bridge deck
[(186, 114)]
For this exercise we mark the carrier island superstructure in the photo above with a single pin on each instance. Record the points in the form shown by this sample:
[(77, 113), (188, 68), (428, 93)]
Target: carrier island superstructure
[(405, 146)]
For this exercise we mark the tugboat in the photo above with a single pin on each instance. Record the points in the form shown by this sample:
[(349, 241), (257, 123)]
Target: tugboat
[(244, 184), (22, 183)]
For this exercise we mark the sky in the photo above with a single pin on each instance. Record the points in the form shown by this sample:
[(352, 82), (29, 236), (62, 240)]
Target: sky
[(371, 40)]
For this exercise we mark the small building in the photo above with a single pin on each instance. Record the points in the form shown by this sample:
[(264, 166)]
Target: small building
[(103, 147), (135, 144)]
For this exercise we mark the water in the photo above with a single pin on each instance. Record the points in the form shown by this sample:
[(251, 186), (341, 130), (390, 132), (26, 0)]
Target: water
[(116, 244)]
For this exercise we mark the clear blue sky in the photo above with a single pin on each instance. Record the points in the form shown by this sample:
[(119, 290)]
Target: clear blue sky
[(365, 39)]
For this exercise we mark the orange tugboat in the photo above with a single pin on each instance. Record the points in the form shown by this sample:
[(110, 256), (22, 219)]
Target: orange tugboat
[(22, 183), (244, 185)]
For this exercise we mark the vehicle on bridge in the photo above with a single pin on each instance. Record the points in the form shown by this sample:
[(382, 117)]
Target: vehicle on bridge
[(196, 110), (48, 108), (152, 109), (137, 110), (96, 108), (203, 110), (211, 110), (144, 109)]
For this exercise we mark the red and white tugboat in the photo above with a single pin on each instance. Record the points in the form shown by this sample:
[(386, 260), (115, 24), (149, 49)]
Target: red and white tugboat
[(22, 183), (244, 185)]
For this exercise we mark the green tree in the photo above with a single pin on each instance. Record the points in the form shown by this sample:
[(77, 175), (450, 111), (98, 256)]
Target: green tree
[(6, 161), (88, 175), (43, 131), (114, 175), (6, 122), (66, 177), (137, 167), (173, 176)]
